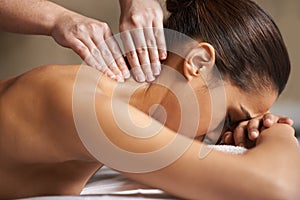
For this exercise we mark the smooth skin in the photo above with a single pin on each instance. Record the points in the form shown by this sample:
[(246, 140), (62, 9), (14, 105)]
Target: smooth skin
[(42, 154), (150, 45), (92, 39)]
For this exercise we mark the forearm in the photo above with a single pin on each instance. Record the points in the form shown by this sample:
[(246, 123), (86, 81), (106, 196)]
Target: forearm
[(266, 172), (125, 5), (30, 16), (269, 171)]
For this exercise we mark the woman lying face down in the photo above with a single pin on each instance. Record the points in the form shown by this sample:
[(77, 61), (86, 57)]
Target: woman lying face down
[(49, 145)]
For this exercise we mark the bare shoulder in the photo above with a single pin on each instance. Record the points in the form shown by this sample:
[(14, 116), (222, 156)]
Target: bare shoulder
[(52, 82), (48, 76), (39, 103)]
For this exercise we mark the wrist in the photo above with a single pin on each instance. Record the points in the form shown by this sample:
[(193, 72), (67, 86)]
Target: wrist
[(55, 14), (124, 4)]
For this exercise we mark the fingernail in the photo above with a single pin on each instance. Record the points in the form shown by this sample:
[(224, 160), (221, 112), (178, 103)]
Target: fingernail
[(254, 134), (140, 78), (150, 77), (126, 74), (269, 121), (164, 55), (120, 79), (112, 76), (156, 69)]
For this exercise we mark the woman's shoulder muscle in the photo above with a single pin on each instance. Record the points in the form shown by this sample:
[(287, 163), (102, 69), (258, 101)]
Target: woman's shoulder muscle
[(36, 107)]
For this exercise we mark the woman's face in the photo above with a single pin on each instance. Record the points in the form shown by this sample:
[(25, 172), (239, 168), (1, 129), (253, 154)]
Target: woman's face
[(239, 106), (242, 106)]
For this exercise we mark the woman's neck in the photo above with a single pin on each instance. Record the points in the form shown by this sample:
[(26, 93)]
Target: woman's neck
[(160, 98)]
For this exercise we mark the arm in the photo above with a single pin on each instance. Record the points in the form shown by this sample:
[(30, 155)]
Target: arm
[(246, 133), (91, 39), (265, 176), (30, 16)]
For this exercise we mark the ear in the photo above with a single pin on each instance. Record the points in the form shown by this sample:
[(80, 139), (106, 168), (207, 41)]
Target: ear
[(199, 61)]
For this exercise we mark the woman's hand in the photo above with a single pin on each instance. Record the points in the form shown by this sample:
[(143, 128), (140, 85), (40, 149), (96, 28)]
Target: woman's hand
[(246, 133), (141, 28), (92, 40)]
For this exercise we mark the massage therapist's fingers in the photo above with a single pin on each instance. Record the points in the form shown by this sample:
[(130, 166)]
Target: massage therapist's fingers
[(117, 55), (113, 55), (153, 52), (84, 35), (142, 19), (160, 40), (142, 52), (132, 56), (85, 53), (103, 63), (102, 37), (109, 60)]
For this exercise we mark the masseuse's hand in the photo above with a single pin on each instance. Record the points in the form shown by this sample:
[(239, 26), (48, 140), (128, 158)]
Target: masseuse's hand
[(92, 40), (145, 44), (246, 133)]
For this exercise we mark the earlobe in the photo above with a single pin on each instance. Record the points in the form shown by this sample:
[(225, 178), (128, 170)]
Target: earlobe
[(199, 60)]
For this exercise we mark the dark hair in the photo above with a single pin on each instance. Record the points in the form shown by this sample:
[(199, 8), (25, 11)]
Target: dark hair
[(249, 47)]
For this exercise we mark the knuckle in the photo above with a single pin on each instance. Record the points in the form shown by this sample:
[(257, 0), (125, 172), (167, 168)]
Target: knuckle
[(136, 19), (81, 50), (123, 27), (94, 27), (151, 43), (142, 50), (95, 52), (105, 26), (106, 53), (103, 69), (79, 28), (157, 33), (131, 55)]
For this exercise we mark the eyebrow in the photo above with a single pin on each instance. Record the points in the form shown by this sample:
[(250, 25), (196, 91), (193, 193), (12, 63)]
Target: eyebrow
[(246, 112)]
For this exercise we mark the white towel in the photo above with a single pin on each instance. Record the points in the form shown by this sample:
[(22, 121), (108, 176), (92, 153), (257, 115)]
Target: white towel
[(229, 149)]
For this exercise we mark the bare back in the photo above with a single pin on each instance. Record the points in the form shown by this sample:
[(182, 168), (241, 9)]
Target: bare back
[(40, 150)]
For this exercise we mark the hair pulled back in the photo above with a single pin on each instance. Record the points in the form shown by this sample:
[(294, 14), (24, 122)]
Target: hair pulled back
[(250, 51)]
